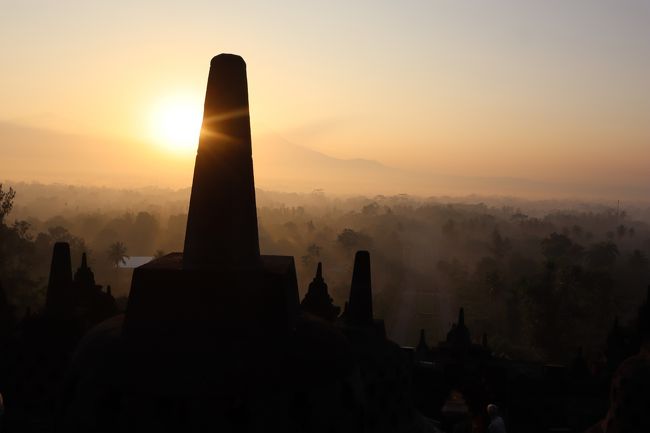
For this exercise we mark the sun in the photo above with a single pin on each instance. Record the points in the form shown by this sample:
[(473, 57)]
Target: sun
[(176, 122)]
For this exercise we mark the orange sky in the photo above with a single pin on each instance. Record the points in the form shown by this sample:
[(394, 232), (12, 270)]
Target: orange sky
[(546, 91)]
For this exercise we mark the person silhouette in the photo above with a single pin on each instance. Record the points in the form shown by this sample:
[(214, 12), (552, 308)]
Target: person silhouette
[(496, 424)]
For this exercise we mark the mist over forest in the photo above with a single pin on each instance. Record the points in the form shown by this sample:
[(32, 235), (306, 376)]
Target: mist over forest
[(535, 276)]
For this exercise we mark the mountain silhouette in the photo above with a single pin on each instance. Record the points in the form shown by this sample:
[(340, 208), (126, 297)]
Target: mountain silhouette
[(36, 154)]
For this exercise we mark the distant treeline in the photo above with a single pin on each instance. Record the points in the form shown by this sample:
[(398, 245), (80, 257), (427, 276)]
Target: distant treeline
[(540, 278)]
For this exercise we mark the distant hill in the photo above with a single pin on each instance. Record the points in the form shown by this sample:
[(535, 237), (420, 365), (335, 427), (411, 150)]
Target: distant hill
[(32, 154), (304, 169)]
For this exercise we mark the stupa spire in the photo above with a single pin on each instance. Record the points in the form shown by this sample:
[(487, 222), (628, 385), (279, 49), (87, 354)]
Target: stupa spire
[(360, 304), (317, 301), (222, 219), (60, 280)]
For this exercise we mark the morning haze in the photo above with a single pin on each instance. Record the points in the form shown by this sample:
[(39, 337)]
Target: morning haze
[(356, 217), (545, 99)]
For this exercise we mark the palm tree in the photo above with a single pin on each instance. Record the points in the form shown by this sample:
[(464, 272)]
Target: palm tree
[(117, 254)]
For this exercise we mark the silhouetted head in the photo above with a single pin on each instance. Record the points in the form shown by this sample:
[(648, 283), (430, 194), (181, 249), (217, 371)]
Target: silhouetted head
[(492, 410)]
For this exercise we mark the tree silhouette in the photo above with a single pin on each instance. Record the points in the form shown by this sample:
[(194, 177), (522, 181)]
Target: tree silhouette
[(117, 253), (313, 253), (602, 254), (638, 260), (17, 261), (449, 228), (500, 245), (143, 233), (351, 239), (555, 246), (560, 249), (371, 209), (6, 202)]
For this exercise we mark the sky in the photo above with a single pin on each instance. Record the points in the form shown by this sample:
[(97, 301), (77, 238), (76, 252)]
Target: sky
[(547, 91)]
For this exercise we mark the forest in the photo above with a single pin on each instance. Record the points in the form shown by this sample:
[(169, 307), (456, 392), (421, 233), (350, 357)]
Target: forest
[(540, 278)]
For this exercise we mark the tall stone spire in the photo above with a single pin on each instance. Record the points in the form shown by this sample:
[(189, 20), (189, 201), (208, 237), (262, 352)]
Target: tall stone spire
[(60, 281), (360, 303), (222, 220), (220, 287)]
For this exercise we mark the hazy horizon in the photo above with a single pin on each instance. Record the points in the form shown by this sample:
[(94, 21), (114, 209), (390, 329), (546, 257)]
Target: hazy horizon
[(531, 100), (445, 225)]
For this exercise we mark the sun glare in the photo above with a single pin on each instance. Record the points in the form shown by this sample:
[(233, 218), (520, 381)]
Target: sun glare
[(175, 124)]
